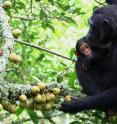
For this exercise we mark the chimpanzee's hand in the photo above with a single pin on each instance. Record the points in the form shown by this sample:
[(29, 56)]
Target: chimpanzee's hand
[(85, 64), (71, 107)]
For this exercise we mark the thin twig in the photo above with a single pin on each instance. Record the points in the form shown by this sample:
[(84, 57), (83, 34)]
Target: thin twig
[(99, 2), (43, 49), (31, 5), (24, 17), (62, 74)]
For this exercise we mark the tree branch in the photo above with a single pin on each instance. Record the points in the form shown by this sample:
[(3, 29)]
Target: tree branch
[(25, 17), (12, 91), (99, 2), (43, 49), (7, 37)]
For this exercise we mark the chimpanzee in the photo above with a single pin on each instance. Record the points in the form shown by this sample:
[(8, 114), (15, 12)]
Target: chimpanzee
[(86, 55), (97, 70), (103, 26), (111, 1)]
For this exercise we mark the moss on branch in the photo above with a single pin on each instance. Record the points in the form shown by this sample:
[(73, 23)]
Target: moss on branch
[(7, 37)]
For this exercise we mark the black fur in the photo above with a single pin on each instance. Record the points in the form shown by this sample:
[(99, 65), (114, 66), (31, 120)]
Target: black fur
[(111, 2), (103, 26), (99, 80)]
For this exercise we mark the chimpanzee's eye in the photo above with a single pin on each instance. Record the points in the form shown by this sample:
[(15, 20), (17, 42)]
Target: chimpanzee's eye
[(87, 46)]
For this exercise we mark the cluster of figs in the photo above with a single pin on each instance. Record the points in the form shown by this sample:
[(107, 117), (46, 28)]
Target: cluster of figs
[(41, 98)]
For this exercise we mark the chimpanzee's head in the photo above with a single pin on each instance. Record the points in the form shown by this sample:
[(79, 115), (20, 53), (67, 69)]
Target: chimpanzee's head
[(103, 26), (83, 48)]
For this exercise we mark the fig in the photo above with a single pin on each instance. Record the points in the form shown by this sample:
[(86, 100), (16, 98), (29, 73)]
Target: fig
[(48, 106), (41, 86), (22, 105), (7, 4), (22, 98), (35, 89), (67, 98), (15, 58), (16, 32), (56, 91), (12, 108), (38, 98)]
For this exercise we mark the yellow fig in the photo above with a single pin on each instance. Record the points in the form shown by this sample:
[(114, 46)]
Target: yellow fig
[(12, 108), (22, 98), (12, 57), (35, 89), (48, 97), (53, 105), (52, 96), (68, 98), (19, 59), (38, 98), (56, 91), (43, 98), (7, 4), (41, 86), (16, 32), (15, 58), (48, 106)]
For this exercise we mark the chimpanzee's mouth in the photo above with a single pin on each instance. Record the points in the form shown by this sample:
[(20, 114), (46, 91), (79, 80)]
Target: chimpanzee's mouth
[(89, 54)]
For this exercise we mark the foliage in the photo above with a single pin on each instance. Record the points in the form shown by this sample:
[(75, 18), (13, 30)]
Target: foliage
[(48, 26)]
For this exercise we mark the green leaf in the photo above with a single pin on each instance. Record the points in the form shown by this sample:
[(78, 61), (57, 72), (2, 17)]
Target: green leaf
[(95, 7), (72, 51), (33, 116), (21, 4), (42, 14), (51, 1), (75, 122), (47, 114), (69, 19), (59, 78), (77, 10), (40, 58), (51, 27), (65, 8), (72, 79), (18, 111), (60, 5)]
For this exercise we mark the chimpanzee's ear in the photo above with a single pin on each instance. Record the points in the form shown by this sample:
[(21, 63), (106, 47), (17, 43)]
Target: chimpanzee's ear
[(106, 22), (107, 25)]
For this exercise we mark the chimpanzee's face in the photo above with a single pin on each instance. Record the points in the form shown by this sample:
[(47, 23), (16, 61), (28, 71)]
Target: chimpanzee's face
[(85, 49), (99, 31)]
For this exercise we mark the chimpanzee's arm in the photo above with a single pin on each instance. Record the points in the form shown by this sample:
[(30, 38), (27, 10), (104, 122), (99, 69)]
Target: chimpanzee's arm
[(105, 100), (87, 82)]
